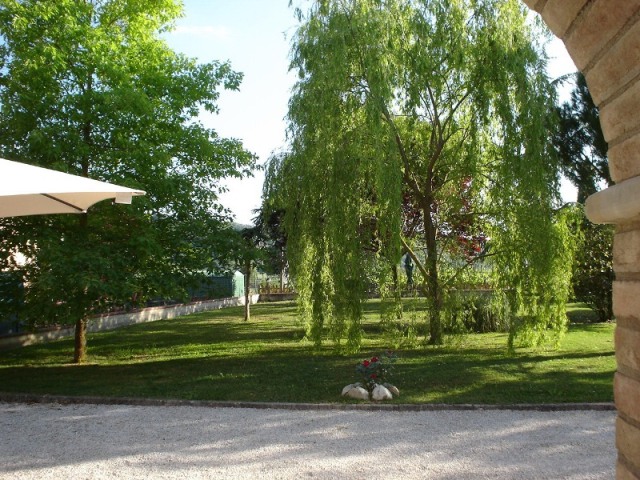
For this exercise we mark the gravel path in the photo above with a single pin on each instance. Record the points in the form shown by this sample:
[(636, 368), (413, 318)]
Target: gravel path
[(52, 441)]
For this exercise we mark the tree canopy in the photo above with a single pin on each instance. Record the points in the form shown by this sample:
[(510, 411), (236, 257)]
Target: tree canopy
[(579, 140), (422, 126), (91, 88)]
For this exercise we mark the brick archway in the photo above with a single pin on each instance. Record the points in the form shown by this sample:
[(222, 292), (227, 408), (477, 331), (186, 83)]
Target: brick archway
[(603, 39)]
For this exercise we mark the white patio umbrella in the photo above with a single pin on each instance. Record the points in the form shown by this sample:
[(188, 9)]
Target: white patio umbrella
[(29, 190)]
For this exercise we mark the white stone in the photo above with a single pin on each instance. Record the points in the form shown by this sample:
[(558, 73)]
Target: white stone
[(358, 393), (381, 392), (346, 389), (393, 389)]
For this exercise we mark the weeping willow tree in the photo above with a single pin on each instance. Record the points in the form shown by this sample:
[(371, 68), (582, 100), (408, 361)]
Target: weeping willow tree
[(435, 113)]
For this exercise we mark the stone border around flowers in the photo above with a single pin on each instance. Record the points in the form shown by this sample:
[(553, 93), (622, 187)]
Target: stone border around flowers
[(373, 406)]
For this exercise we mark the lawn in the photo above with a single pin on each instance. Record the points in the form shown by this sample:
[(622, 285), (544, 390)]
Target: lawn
[(217, 356)]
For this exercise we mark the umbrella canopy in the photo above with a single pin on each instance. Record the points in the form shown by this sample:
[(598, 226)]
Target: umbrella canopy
[(29, 190)]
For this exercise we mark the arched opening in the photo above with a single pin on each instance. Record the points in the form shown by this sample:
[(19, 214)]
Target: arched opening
[(603, 38)]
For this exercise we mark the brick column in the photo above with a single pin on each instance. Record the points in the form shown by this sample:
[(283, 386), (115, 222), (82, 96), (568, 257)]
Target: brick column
[(603, 38)]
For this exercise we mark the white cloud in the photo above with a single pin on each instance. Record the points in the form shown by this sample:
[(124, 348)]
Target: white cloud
[(203, 31)]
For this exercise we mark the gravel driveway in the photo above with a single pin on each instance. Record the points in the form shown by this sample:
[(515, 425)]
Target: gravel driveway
[(53, 441)]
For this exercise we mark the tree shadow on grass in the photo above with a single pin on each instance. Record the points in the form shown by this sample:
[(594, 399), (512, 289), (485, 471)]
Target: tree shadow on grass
[(292, 374), (505, 379), (276, 376)]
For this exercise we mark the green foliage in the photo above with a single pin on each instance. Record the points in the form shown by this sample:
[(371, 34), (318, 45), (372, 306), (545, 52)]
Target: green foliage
[(593, 275), (475, 311), (420, 127), (537, 292), (580, 142), (90, 88), (274, 241), (583, 151), (11, 301)]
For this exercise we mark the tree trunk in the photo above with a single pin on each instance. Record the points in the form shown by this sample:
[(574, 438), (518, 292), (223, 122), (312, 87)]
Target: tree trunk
[(247, 295), (397, 294), (80, 352), (394, 276), (433, 282)]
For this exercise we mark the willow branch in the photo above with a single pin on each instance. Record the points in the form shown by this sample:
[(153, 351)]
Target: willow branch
[(468, 263)]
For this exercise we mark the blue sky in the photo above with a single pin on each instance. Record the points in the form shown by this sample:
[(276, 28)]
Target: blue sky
[(254, 35)]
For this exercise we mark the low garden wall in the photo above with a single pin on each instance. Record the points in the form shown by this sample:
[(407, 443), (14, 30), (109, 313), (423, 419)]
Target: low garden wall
[(115, 320), (278, 297)]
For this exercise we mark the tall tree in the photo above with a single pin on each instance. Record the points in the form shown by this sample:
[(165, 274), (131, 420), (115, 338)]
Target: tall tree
[(593, 274), (89, 87), (270, 220), (249, 252), (274, 242), (443, 103), (583, 152), (580, 142)]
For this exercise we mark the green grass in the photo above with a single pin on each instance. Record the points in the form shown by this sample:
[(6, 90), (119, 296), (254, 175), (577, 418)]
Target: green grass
[(217, 356), (581, 313)]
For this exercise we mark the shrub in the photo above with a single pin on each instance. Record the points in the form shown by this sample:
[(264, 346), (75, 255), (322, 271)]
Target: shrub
[(593, 272)]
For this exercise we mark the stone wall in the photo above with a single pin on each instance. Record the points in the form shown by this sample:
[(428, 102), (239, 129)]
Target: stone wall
[(603, 38)]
